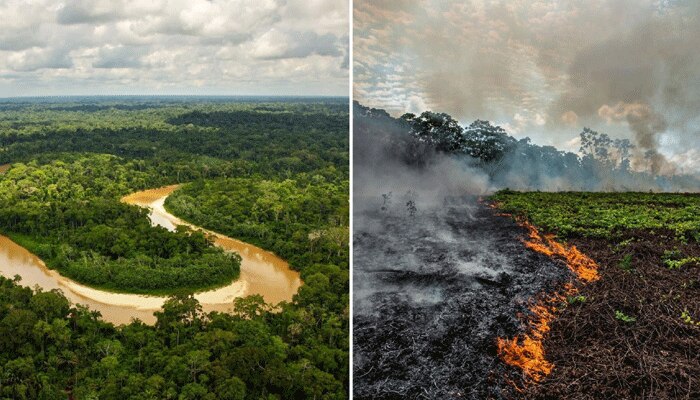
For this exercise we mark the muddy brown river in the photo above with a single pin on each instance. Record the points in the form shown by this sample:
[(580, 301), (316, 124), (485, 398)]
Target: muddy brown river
[(262, 272)]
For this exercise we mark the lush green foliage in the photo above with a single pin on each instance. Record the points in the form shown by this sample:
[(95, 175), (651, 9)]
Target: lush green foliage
[(71, 163), (184, 141), (571, 214), (69, 213), (305, 221), (49, 349)]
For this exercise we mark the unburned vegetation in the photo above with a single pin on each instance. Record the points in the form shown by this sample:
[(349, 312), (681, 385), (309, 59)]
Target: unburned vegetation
[(73, 159)]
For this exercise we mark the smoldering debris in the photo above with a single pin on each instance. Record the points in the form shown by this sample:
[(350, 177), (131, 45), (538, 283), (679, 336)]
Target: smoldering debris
[(432, 293), (438, 276), (387, 160)]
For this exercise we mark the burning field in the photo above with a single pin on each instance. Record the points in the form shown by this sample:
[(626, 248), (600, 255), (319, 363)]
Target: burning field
[(540, 296), (522, 295), (433, 293), (632, 331)]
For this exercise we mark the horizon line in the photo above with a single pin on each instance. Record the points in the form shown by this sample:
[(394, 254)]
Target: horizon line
[(173, 95)]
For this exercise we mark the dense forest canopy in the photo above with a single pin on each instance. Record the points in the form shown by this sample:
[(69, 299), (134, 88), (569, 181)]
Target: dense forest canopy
[(273, 171), (311, 211), (68, 212), (183, 139)]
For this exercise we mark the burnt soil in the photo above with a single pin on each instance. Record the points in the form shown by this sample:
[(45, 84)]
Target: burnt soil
[(598, 356), (432, 293)]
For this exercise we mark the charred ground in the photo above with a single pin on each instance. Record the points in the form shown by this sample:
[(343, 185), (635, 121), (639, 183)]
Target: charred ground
[(433, 291)]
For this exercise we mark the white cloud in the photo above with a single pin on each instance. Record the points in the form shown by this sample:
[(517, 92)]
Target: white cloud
[(173, 46), (89, 12), (275, 45), (35, 59), (119, 57)]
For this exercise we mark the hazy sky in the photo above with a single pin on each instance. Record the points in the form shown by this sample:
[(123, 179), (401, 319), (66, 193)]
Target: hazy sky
[(226, 47), (544, 69)]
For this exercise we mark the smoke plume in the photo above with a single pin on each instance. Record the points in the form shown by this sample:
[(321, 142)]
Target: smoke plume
[(646, 124), (392, 164), (387, 161), (627, 68)]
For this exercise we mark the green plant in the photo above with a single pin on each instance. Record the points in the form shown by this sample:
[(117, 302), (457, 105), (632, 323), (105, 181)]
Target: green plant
[(685, 316), (676, 264), (621, 246), (606, 215), (575, 299), (619, 315), (674, 254), (626, 263)]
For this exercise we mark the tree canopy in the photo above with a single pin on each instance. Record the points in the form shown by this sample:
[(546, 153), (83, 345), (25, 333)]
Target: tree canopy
[(604, 163), (274, 171)]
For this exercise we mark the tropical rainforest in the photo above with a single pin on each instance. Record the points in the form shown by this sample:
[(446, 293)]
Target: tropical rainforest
[(68, 212), (271, 171)]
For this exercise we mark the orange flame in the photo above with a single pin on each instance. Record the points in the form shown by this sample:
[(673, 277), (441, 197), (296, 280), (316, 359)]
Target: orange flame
[(585, 268), (527, 351)]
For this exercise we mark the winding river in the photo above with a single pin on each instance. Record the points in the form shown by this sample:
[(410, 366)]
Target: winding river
[(262, 272)]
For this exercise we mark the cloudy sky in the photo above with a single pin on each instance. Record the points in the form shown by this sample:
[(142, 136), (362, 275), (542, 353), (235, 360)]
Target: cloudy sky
[(540, 68), (220, 47)]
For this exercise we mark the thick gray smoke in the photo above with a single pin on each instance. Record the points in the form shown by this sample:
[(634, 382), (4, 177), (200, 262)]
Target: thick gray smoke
[(646, 124), (385, 163), (393, 167), (437, 277), (627, 68), (396, 180), (647, 75)]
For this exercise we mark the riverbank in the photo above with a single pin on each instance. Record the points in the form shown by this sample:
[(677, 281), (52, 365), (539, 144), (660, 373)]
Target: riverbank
[(261, 273)]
